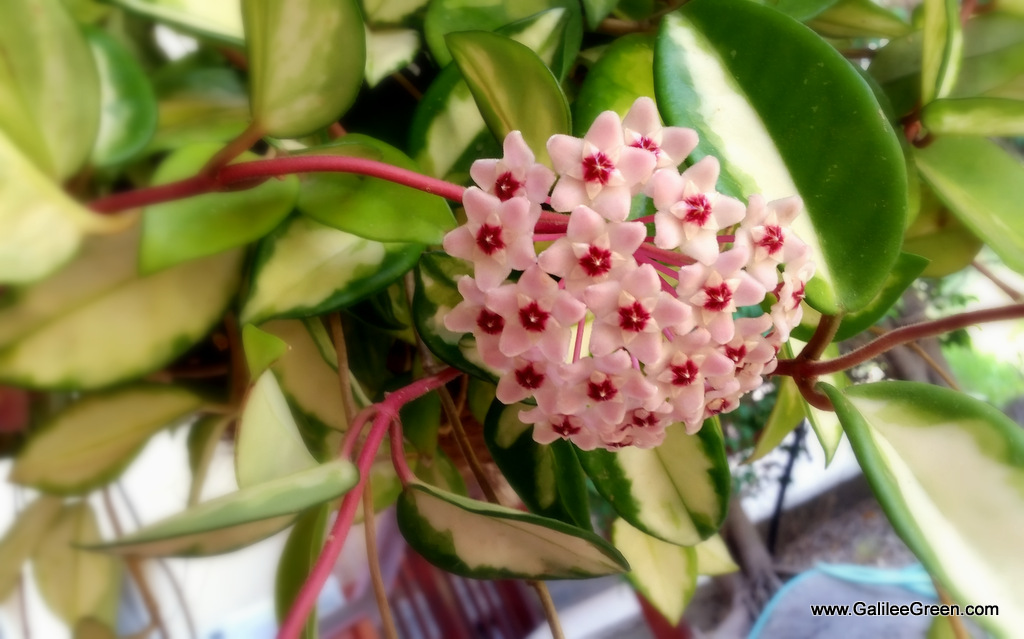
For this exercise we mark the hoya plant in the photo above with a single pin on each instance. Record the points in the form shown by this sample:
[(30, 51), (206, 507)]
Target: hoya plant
[(333, 232)]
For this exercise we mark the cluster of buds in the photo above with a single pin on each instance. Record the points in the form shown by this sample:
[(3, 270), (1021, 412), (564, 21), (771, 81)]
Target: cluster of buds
[(615, 334)]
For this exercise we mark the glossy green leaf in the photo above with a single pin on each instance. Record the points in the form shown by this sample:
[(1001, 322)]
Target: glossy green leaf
[(485, 541), (714, 558), (75, 583), (49, 87), (203, 437), (787, 115), (512, 87), (666, 574), (128, 107), (948, 471), (624, 73), (436, 294), (597, 10), (182, 230), (93, 441), (974, 116), (389, 51), (261, 349), (984, 186), (942, 42), (267, 503), (306, 268), (786, 415), (269, 445), (297, 560), (21, 539), (220, 20), (374, 208), (318, 79), (97, 323), (448, 16), (678, 492), (547, 477), (800, 9), (858, 19)]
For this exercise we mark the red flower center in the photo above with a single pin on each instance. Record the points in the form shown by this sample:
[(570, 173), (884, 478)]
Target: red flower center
[(719, 297), (601, 391), (489, 239), (565, 428), (490, 322), (799, 294), (717, 406), (644, 419), (533, 317), (698, 209), (647, 144), (736, 354), (597, 168), (684, 374), (529, 378), (772, 240), (505, 186), (633, 318), (596, 262)]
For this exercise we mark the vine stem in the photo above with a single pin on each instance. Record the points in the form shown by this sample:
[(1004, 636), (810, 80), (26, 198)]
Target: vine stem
[(798, 368), (387, 411), (249, 174)]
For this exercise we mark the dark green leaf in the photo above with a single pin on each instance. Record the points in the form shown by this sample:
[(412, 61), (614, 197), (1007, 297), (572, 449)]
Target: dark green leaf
[(624, 73)]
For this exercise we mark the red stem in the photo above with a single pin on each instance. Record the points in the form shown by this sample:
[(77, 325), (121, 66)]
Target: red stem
[(666, 256), (387, 411), (254, 172)]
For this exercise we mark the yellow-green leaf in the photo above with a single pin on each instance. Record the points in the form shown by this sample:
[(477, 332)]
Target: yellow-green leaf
[(666, 574), (22, 538)]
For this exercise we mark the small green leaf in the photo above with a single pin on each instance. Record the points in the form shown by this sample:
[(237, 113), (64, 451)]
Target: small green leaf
[(269, 445), (484, 541), (943, 47), (624, 73), (787, 115), (297, 560), (93, 441), (306, 268), (858, 19), (182, 230), (825, 423), (597, 10), (233, 515), (678, 492), (974, 116), (261, 349), (547, 477), (512, 87), (939, 236), (948, 471), (317, 81), (203, 438), (984, 186), (75, 583), (128, 107), (666, 574), (220, 20), (373, 208), (389, 51), (786, 415), (21, 539), (714, 558)]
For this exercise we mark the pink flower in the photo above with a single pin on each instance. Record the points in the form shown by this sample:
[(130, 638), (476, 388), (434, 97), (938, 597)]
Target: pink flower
[(604, 387), (471, 315), (599, 171), (765, 230), (718, 290), (551, 427), (750, 352), (681, 372), (787, 311), (642, 129), (528, 378), (516, 174)]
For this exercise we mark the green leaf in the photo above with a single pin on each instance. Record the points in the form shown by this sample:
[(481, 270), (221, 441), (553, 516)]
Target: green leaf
[(948, 471), (547, 477), (90, 443), (941, 237), (97, 323), (512, 87), (128, 107), (448, 16), (261, 349), (239, 518), (624, 73), (306, 268), (983, 185), (787, 115), (942, 48), (678, 492), (907, 268), (485, 541), (858, 19), (714, 558), (373, 208), (436, 294), (269, 445), (436, 470), (421, 420), (786, 415), (800, 9), (297, 560), (825, 423), (974, 116), (182, 230), (75, 583), (203, 438), (318, 79), (49, 88), (391, 11), (220, 20), (21, 539), (199, 102), (597, 10), (389, 51), (666, 574)]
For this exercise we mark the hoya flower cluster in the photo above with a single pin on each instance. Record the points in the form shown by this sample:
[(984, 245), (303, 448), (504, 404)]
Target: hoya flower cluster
[(616, 334)]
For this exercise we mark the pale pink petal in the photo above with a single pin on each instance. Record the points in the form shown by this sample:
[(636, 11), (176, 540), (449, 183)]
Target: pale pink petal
[(603, 298), (667, 230), (604, 339), (490, 273), (606, 132), (539, 179), (670, 312), (703, 247), (484, 173), (627, 237), (566, 153), (515, 340), (703, 174), (728, 211), (646, 347), (558, 259), (720, 326), (569, 193), (568, 310), (612, 203), (666, 188), (677, 143), (636, 165), (642, 116), (517, 152), (459, 242), (585, 225)]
